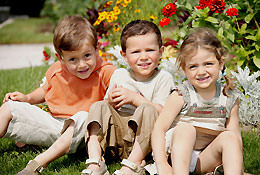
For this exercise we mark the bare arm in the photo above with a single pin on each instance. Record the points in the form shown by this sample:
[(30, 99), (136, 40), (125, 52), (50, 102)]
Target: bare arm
[(232, 123), (119, 96), (168, 114), (35, 97)]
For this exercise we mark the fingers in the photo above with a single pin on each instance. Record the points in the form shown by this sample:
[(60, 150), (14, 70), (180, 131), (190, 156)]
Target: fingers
[(15, 96)]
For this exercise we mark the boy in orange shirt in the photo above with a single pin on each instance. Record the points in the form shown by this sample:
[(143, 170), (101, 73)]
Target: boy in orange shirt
[(78, 79)]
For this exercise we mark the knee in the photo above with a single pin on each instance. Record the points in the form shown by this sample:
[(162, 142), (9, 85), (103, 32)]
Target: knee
[(229, 138), (184, 130), (148, 111)]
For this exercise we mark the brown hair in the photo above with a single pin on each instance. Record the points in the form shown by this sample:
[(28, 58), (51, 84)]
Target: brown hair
[(71, 32), (203, 38), (139, 27)]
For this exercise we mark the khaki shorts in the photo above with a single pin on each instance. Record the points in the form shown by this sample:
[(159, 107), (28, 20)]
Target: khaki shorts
[(120, 130), (32, 125)]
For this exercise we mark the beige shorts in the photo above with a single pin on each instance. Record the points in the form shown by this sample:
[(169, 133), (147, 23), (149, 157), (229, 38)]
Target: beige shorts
[(120, 130), (32, 125)]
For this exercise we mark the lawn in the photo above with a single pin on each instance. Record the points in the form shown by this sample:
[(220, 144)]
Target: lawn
[(27, 30), (13, 159)]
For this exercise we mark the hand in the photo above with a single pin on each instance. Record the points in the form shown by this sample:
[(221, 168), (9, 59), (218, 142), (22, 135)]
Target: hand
[(119, 96), (15, 96)]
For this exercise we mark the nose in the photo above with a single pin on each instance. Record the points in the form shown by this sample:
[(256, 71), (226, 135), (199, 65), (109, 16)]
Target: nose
[(143, 56), (82, 63), (201, 70)]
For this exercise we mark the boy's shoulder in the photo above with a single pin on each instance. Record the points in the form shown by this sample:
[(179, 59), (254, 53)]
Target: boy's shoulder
[(53, 69)]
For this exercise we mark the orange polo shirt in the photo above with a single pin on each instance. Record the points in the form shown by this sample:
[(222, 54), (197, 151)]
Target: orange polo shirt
[(67, 94)]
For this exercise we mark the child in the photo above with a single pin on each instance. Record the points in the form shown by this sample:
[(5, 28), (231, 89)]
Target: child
[(125, 120), (77, 80), (205, 114)]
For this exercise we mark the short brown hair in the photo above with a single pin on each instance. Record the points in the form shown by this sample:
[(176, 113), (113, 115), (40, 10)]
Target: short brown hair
[(71, 32), (139, 27)]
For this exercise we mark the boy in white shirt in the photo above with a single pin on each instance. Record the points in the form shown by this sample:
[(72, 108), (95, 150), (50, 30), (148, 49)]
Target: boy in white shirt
[(124, 120)]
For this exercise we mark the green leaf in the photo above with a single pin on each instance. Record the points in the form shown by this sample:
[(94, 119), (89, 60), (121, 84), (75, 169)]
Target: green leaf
[(212, 20), (251, 37), (231, 36), (189, 6), (220, 32), (249, 17), (240, 62), (256, 59), (243, 29)]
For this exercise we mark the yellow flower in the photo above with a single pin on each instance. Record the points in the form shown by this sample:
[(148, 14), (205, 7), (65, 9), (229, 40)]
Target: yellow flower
[(97, 22), (111, 17), (116, 10), (102, 15), (127, 1), (124, 4), (118, 1), (100, 53), (137, 11), (153, 17), (116, 29), (109, 2)]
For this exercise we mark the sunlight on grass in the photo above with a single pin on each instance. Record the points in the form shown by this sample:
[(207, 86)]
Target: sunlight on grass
[(27, 30)]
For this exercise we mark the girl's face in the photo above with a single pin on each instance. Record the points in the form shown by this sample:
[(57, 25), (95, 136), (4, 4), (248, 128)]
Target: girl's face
[(202, 70)]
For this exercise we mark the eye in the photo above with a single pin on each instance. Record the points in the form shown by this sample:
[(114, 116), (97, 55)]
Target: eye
[(87, 55), (149, 50), (192, 67), (72, 59), (209, 64), (136, 51)]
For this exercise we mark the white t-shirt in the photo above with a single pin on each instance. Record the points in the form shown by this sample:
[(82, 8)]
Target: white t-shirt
[(156, 89)]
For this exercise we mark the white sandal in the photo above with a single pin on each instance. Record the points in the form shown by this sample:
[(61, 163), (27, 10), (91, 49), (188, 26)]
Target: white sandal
[(137, 169), (32, 168), (102, 167), (218, 171)]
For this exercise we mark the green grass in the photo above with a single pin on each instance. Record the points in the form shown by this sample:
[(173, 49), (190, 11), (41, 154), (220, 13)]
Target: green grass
[(27, 30), (12, 159)]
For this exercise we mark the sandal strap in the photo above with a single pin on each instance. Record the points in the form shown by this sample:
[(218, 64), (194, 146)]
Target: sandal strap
[(93, 161), (34, 166), (129, 164)]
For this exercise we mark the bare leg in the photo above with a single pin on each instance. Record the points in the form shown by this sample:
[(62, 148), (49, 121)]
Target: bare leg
[(184, 138), (94, 149), (59, 148), (224, 148), (136, 156), (5, 117)]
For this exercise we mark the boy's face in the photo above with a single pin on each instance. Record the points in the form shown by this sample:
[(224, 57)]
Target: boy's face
[(142, 54), (81, 62)]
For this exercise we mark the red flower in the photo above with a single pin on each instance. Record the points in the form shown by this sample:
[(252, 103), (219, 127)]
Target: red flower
[(232, 12), (164, 22), (216, 6), (171, 42), (44, 53), (169, 9), (46, 58)]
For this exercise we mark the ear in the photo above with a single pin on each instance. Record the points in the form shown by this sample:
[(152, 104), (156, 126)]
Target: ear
[(222, 62), (123, 54), (59, 57), (161, 51)]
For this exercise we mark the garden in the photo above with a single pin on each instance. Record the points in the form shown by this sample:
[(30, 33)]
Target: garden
[(235, 22)]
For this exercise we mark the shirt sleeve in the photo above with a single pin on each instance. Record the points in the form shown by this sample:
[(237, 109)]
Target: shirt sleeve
[(163, 89), (107, 72)]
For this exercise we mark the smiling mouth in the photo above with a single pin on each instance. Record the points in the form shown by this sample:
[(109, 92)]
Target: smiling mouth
[(203, 78), (83, 71), (144, 64)]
